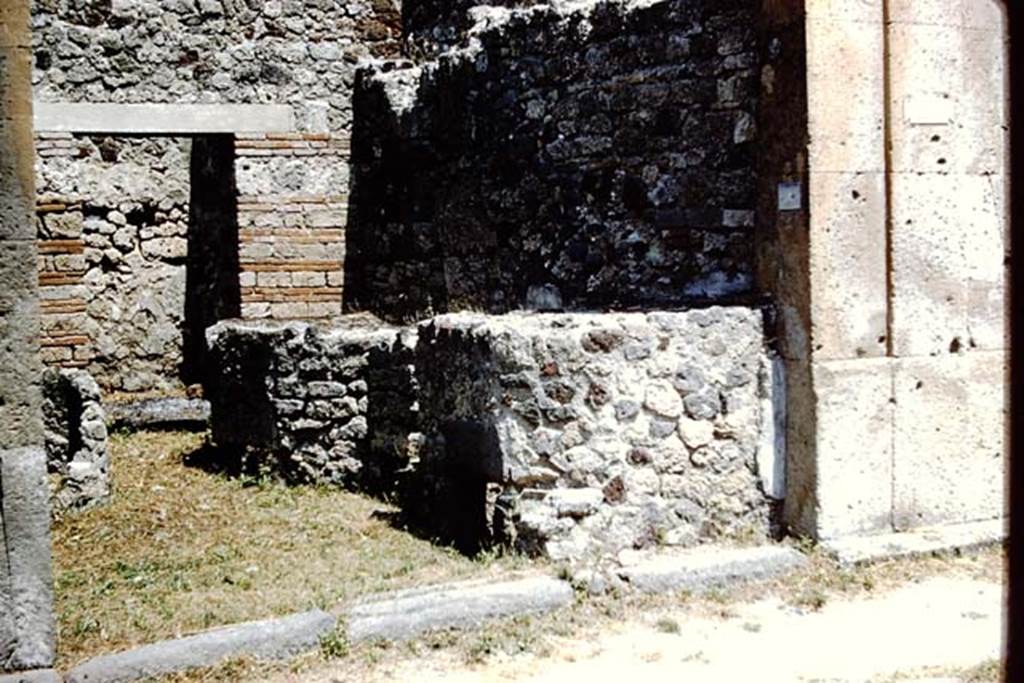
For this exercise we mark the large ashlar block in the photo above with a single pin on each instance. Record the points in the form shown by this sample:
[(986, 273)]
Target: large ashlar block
[(949, 457), (845, 115), (948, 99), (924, 59), (986, 258), (983, 112), (985, 14), (848, 265), (854, 446), (949, 263), (16, 151), (929, 303), (19, 361), (14, 22), (17, 275), (865, 11), (17, 203), (935, 12), (27, 630)]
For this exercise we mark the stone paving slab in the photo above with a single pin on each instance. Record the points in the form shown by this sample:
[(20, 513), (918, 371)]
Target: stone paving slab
[(266, 639), (854, 550), (404, 614), (707, 567)]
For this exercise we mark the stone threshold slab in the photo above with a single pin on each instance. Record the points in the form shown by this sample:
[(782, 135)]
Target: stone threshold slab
[(159, 413), (405, 614), (707, 567), (853, 550), (266, 639)]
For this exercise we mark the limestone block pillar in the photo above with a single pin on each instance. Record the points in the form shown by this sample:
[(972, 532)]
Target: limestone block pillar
[(948, 122), (890, 279), (26, 601)]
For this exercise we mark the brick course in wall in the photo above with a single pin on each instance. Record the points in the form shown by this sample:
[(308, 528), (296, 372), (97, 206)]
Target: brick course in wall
[(292, 245), (64, 339)]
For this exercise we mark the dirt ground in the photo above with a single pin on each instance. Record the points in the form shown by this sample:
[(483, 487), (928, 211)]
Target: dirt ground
[(938, 626), (936, 618)]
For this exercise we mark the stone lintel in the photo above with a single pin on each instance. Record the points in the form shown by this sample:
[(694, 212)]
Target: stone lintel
[(162, 119)]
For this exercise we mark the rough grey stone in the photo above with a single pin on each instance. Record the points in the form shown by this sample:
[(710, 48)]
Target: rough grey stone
[(159, 413), (27, 629), (404, 614), (128, 204), (707, 567), (268, 639), (585, 440), (76, 438), (329, 403), (34, 676), (211, 54), (853, 550), (548, 158)]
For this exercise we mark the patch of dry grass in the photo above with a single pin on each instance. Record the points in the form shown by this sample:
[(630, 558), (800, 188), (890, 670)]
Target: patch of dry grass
[(180, 549), (987, 672)]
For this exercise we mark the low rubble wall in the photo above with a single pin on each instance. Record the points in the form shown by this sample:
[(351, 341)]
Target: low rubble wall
[(573, 435), (580, 435), (316, 404)]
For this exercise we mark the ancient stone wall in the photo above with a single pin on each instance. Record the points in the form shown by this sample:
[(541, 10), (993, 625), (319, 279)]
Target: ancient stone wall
[(113, 226), (76, 439), (576, 436), (889, 274), (429, 26), (296, 53), (292, 212), (588, 157), (331, 403)]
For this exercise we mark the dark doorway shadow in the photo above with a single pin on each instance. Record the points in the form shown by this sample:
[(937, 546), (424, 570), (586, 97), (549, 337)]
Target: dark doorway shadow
[(212, 290)]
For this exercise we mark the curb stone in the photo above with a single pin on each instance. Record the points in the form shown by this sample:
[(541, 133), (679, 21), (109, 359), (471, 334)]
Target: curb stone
[(159, 413), (34, 676), (404, 614), (266, 639), (854, 550), (707, 567)]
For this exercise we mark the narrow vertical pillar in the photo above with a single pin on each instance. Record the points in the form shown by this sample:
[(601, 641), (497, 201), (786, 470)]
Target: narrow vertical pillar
[(26, 600)]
